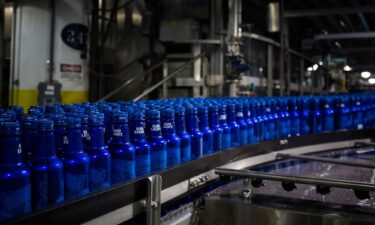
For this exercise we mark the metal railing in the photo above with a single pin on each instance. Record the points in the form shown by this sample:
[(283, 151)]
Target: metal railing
[(168, 77), (128, 82)]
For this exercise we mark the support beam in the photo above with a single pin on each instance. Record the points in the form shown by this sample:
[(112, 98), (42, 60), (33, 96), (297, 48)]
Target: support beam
[(269, 70), (352, 35), (329, 11)]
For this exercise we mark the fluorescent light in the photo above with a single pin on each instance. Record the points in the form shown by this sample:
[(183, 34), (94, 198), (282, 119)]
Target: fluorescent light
[(365, 74), (347, 68), (371, 80), (310, 69), (320, 63), (315, 67)]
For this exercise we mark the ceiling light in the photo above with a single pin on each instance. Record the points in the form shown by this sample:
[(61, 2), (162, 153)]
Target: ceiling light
[(365, 74), (320, 63), (371, 80), (347, 68), (315, 67), (310, 69)]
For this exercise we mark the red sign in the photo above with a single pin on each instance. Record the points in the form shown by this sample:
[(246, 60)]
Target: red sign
[(70, 68)]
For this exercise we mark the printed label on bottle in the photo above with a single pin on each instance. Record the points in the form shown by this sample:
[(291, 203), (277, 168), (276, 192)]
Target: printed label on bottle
[(158, 160), (155, 127), (122, 170), (117, 132), (142, 165), (223, 117), (15, 202), (139, 130), (239, 114), (360, 126)]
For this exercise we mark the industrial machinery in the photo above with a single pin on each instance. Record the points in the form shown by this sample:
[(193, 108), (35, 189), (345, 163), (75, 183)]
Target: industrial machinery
[(290, 181)]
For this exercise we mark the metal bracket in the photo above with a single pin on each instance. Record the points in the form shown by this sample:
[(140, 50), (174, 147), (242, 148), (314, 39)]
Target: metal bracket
[(153, 203), (198, 181)]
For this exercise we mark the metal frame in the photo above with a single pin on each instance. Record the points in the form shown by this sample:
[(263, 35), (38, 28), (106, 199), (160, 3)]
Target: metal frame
[(329, 11), (326, 160), (122, 202), (358, 186)]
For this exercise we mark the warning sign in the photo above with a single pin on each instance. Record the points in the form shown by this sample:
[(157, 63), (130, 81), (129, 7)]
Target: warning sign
[(71, 72)]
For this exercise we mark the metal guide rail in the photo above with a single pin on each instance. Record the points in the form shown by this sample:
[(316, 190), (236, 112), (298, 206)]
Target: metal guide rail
[(126, 198)]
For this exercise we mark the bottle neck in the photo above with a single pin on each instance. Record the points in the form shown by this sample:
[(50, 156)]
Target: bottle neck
[(203, 121), (138, 130), (168, 126), (10, 150), (222, 117), (192, 123), (73, 140), (231, 116), (214, 119), (96, 136), (155, 128), (46, 144), (180, 124)]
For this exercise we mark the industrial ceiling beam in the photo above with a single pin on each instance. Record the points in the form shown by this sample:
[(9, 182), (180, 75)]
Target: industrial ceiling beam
[(351, 35), (328, 11)]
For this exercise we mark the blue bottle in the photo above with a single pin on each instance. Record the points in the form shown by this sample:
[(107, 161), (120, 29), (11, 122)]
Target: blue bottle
[(184, 136), (84, 131), (357, 113), (215, 127), (195, 134), (18, 110), (59, 131), (15, 181), (157, 143), (249, 121), (342, 115), (256, 123), (284, 128), (173, 141), (304, 108), (207, 132), (327, 114), (316, 121), (275, 110), (138, 139), (268, 121), (29, 136), (75, 160), (294, 117), (122, 151), (242, 124), (234, 127), (226, 141), (46, 169), (262, 125), (100, 158)]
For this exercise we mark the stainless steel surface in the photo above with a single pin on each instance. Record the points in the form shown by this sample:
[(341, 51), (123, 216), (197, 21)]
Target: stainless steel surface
[(170, 76), (130, 81), (326, 160), (153, 203), (223, 210)]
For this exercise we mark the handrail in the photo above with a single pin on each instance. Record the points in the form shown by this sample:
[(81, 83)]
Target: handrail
[(165, 79), (126, 83), (346, 184), (325, 160)]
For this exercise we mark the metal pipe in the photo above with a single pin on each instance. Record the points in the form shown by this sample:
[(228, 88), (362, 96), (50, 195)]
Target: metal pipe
[(359, 186), (126, 83), (150, 89), (52, 42), (327, 160)]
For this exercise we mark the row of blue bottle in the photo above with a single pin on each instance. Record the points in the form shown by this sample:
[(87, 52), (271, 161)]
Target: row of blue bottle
[(69, 151)]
